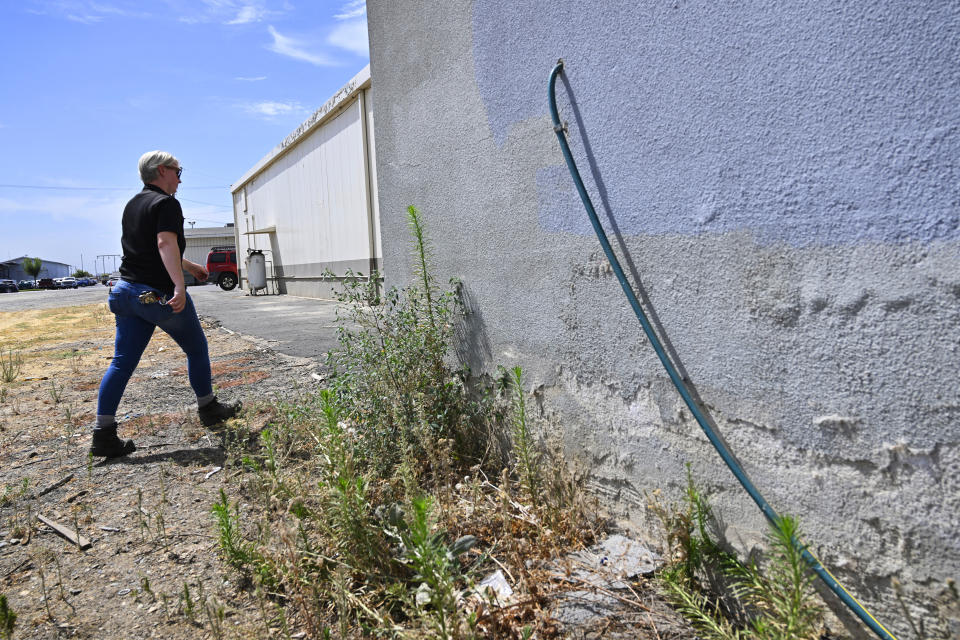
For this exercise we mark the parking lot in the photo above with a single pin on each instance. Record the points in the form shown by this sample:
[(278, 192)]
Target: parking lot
[(50, 298), (294, 326)]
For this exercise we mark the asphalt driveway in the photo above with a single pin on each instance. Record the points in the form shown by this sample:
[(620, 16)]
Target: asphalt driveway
[(302, 327)]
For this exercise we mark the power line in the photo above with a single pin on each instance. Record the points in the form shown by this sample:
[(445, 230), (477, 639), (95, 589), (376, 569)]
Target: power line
[(209, 204), (37, 186)]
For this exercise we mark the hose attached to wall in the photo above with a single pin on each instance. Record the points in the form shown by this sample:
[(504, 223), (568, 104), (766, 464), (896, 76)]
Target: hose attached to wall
[(678, 382)]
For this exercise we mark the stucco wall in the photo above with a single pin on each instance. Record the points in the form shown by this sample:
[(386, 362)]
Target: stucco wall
[(782, 182)]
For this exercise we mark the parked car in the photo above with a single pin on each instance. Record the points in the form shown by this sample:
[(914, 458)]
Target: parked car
[(46, 283), (111, 282), (8, 286), (27, 284), (68, 283), (222, 266)]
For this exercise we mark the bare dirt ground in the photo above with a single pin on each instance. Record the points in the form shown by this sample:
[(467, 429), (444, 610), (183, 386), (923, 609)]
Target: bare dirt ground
[(147, 516), (152, 568)]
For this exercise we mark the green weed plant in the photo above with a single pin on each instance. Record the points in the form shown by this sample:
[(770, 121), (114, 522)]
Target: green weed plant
[(435, 569), (229, 536), (726, 599), (391, 372), (11, 362), (8, 619)]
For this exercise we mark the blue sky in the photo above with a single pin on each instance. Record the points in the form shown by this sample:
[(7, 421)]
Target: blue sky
[(86, 86)]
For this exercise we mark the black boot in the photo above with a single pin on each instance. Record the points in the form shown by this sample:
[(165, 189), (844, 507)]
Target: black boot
[(216, 411), (106, 444)]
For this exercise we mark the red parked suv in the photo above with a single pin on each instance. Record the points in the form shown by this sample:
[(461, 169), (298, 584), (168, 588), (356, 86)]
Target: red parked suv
[(222, 266)]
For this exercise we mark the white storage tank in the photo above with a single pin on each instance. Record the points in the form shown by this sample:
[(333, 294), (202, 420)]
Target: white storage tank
[(256, 270)]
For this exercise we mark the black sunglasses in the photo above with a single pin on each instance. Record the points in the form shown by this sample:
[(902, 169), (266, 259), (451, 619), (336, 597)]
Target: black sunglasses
[(179, 170)]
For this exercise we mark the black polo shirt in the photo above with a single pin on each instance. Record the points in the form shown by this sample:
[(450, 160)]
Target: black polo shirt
[(147, 214)]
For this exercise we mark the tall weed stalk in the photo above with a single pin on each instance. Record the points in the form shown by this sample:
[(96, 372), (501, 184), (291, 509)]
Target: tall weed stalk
[(229, 536), (10, 364), (782, 595), (527, 458), (726, 599)]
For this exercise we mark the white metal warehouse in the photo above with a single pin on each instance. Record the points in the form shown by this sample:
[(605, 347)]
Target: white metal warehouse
[(310, 204)]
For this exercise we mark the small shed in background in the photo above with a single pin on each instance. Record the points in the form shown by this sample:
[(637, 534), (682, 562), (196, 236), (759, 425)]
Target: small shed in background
[(310, 204)]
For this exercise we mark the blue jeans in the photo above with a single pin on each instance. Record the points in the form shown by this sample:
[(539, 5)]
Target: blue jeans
[(135, 325)]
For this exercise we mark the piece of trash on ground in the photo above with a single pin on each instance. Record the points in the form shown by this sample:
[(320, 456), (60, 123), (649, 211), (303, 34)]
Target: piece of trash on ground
[(495, 587)]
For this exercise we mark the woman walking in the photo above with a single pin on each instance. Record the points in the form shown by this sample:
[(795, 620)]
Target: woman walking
[(151, 293)]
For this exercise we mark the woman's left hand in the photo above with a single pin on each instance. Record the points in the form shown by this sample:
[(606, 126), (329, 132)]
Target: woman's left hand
[(196, 270)]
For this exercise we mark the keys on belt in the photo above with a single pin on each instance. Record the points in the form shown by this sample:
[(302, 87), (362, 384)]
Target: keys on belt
[(149, 297)]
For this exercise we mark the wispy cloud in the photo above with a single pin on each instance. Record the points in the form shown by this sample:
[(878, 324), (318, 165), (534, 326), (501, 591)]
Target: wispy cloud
[(352, 36), (88, 11), (247, 14), (83, 18), (247, 79), (351, 10), (270, 109), (230, 12), (292, 48)]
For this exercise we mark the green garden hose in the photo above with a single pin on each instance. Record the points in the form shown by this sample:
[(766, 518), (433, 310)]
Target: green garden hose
[(731, 462)]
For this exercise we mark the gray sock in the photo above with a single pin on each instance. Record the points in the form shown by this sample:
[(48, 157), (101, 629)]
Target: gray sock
[(105, 422), (205, 400)]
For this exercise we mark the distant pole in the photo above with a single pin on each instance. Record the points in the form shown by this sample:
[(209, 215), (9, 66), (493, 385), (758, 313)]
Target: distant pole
[(81, 262), (104, 256)]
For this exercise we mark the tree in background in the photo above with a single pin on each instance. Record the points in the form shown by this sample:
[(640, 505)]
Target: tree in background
[(32, 267), (80, 273)]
